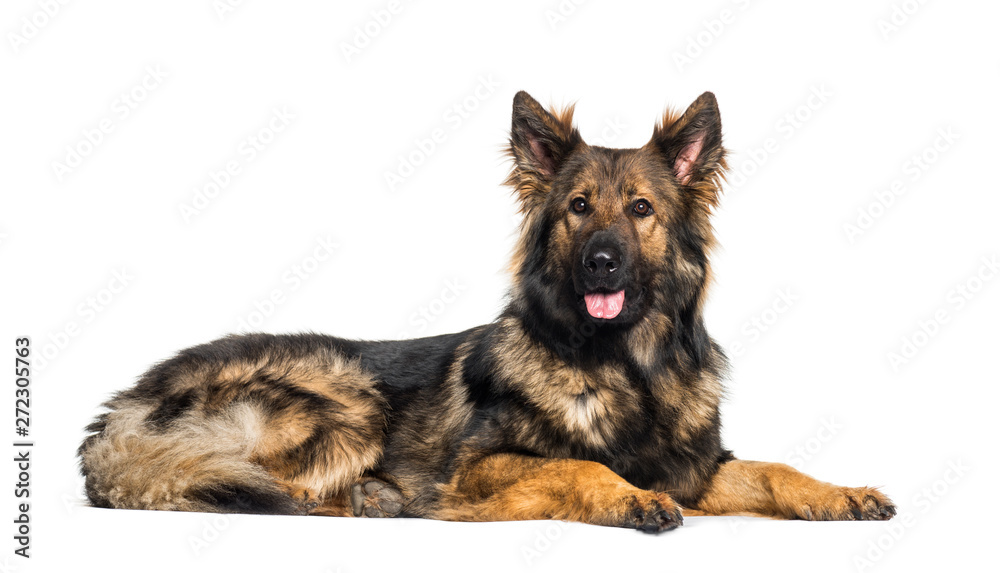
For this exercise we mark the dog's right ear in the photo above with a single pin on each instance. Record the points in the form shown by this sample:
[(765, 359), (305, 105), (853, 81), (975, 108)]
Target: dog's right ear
[(692, 145), (539, 143)]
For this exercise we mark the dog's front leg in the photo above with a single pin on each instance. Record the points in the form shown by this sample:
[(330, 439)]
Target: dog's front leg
[(502, 487), (778, 490)]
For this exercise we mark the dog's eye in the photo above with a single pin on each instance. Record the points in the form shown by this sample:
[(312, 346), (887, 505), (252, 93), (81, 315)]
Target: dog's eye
[(578, 205), (642, 208)]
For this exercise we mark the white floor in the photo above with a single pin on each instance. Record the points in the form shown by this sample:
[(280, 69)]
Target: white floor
[(113, 540), (172, 172)]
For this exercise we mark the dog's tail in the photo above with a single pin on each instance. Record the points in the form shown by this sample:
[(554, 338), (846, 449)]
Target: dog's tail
[(192, 465)]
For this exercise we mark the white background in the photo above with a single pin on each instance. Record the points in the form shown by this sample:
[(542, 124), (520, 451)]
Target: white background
[(813, 385)]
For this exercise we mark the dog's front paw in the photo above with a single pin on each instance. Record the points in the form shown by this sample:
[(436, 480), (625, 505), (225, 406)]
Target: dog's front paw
[(653, 512), (850, 504)]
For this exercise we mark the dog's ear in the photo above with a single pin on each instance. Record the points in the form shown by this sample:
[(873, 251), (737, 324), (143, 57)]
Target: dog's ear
[(692, 145), (539, 143)]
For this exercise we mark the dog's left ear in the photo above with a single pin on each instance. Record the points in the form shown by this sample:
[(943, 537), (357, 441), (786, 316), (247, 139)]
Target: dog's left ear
[(539, 143), (692, 145)]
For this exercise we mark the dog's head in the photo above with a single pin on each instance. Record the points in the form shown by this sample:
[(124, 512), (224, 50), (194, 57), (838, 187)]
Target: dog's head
[(610, 236)]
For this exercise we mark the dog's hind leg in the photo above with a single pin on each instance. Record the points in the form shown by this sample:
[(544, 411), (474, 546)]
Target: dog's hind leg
[(368, 497), (505, 487), (372, 497), (780, 491)]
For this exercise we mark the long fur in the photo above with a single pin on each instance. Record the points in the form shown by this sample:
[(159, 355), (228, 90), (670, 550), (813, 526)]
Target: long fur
[(550, 411)]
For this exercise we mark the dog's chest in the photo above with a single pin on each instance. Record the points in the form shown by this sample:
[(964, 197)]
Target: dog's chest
[(573, 411), (590, 404), (573, 408), (586, 408)]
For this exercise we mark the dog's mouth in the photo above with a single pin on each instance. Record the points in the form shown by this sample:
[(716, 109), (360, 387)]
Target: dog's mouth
[(606, 305)]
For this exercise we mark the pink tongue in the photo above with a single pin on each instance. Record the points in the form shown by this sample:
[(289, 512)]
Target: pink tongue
[(604, 305)]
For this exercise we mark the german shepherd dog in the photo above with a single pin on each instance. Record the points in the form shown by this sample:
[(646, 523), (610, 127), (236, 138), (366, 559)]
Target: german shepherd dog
[(594, 397)]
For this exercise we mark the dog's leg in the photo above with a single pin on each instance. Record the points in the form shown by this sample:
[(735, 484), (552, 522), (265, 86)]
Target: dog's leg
[(778, 490), (372, 497), (367, 497), (504, 487)]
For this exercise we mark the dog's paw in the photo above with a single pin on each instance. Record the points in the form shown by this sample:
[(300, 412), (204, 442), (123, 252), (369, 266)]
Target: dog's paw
[(850, 504), (304, 498), (653, 512), (375, 498)]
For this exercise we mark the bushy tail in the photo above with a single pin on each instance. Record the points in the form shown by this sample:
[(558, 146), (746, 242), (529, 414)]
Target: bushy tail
[(191, 465)]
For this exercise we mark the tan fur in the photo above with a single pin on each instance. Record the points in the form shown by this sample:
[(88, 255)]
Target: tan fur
[(589, 403), (505, 487), (700, 400), (130, 461), (349, 456), (232, 442), (708, 182), (530, 187), (520, 419), (780, 491), (647, 336)]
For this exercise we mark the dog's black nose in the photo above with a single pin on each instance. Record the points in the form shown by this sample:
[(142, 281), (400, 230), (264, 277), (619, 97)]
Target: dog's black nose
[(603, 261)]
